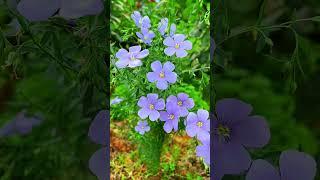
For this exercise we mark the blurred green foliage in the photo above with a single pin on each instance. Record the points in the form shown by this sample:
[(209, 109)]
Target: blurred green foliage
[(268, 55), (55, 68)]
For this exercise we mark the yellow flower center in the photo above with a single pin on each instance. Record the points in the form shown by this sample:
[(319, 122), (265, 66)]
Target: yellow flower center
[(161, 75), (151, 107), (171, 116), (199, 124), (180, 103), (145, 38), (177, 46)]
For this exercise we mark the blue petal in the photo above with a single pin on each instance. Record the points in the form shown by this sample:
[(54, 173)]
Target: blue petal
[(72, 9), (38, 10)]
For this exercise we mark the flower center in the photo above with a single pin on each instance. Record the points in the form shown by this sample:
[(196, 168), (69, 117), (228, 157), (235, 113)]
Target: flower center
[(132, 58), (161, 75), (171, 116), (180, 103), (223, 131), (151, 107), (145, 38), (142, 127), (199, 124), (177, 46)]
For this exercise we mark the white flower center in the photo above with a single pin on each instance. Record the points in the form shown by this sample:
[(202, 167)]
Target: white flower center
[(171, 116), (151, 107), (177, 46), (180, 103)]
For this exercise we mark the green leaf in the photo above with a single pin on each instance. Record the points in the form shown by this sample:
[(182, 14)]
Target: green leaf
[(316, 19)]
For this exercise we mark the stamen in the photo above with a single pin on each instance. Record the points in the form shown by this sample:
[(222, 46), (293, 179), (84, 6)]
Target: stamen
[(151, 107), (177, 46), (161, 75), (180, 103), (199, 124), (171, 116)]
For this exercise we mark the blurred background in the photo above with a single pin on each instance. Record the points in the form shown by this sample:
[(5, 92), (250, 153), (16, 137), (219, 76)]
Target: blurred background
[(268, 55), (53, 81)]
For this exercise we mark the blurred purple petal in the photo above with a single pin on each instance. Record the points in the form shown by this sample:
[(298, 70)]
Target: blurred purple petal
[(72, 9), (38, 10), (295, 165), (98, 128), (252, 132), (98, 163), (262, 170), (229, 158), (232, 110)]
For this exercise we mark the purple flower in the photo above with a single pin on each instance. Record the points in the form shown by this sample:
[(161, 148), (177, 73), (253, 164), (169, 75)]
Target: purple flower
[(198, 125), (150, 106), (131, 58), (162, 75), (116, 100), (183, 102), (294, 165), (141, 22), (142, 127), (146, 36), (20, 125), (177, 45), (98, 128), (173, 29), (234, 130), (171, 117), (40, 10), (163, 26), (98, 163), (204, 151)]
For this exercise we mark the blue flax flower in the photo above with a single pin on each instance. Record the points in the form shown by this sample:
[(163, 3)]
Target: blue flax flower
[(146, 35), (198, 125), (40, 10), (171, 117), (234, 131), (183, 102), (162, 75), (163, 25), (204, 151), (132, 58), (150, 106), (141, 22), (294, 165), (142, 127), (20, 125), (116, 100), (177, 45)]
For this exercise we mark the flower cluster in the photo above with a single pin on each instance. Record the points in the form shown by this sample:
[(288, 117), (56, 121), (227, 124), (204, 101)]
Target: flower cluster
[(174, 108), (145, 34)]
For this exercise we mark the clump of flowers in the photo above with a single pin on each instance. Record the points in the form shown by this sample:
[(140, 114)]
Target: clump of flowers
[(169, 108)]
